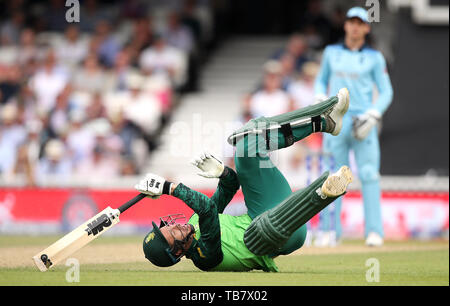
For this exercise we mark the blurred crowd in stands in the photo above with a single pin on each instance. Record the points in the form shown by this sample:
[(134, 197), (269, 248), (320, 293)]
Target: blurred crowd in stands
[(89, 99)]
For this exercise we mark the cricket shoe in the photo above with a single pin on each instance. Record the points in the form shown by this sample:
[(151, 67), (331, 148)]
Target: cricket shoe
[(336, 184), (334, 118), (374, 240)]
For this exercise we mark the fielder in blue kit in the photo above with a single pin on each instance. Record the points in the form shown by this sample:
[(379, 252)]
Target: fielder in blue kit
[(358, 67)]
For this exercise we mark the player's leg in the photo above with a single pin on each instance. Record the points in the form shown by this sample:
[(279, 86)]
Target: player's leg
[(338, 148), (280, 131), (367, 155), (264, 186), (269, 232)]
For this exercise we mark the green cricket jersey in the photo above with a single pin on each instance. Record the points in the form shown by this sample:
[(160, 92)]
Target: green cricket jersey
[(219, 238)]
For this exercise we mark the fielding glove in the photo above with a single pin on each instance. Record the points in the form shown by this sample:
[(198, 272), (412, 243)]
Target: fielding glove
[(153, 186), (363, 124), (210, 166)]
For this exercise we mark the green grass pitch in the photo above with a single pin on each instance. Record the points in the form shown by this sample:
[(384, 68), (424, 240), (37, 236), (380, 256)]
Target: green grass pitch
[(400, 263)]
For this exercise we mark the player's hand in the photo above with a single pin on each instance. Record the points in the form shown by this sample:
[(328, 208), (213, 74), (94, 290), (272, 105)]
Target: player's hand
[(363, 124), (151, 185), (211, 166)]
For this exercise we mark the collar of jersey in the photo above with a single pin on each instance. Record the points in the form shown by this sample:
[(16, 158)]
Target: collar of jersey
[(366, 45)]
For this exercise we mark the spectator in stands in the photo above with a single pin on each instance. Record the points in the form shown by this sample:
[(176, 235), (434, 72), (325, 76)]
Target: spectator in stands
[(297, 47), (104, 160), (27, 50), (271, 100), (28, 153), (72, 49), (90, 77), (48, 82), (128, 132), (11, 28), (91, 15), (141, 38), (59, 116), (288, 72), (179, 35), (189, 17), (10, 82), (313, 38), (100, 165), (12, 135), (302, 90), (80, 140), (116, 77), (56, 162), (108, 44), (142, 108), (96, 108), (163, 59)]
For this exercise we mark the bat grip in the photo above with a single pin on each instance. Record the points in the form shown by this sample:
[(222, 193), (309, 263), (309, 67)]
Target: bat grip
[(131, 202)]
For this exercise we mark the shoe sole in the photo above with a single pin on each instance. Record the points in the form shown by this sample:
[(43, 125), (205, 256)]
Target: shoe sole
[(336, 184), (340, 109)]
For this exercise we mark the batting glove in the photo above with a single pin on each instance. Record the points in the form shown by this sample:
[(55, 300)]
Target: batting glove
[(153, 186), (211, 166), (363, 124)]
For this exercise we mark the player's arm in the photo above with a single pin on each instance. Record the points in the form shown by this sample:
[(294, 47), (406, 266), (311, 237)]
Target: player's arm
[(364, 123), (226, 189), (321, 82), (383, 83), (212, 167), (154, 186)]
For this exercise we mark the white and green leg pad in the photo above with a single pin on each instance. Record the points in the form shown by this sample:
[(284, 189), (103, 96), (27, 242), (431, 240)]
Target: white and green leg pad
[(310, 115), (270, 231)]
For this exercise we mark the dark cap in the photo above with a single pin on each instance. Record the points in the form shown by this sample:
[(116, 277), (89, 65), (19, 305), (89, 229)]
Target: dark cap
[(157, 249)]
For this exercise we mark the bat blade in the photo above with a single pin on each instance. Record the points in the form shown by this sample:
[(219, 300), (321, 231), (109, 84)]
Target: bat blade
[(76, 239)]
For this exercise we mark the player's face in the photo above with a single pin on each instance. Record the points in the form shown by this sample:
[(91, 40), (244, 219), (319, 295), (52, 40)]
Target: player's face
[(356, 29), (178, 232)]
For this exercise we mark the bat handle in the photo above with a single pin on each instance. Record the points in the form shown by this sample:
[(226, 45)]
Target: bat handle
[(131, 202)]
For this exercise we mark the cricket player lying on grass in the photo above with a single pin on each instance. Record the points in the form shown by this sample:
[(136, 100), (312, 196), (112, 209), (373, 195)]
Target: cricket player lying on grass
[(275, 222)]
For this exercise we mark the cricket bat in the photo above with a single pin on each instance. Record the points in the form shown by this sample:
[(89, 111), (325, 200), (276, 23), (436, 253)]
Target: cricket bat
[(82, 235)]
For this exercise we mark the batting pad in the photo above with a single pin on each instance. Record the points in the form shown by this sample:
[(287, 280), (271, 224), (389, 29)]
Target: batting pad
[(295, 118), (269, 231)]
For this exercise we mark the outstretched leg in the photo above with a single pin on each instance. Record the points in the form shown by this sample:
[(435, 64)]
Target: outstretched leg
[(269, 232), (278, 131)]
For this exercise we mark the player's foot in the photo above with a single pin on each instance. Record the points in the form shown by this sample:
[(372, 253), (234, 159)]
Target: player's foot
[(374, 240), (334, 118), (336, 184)]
